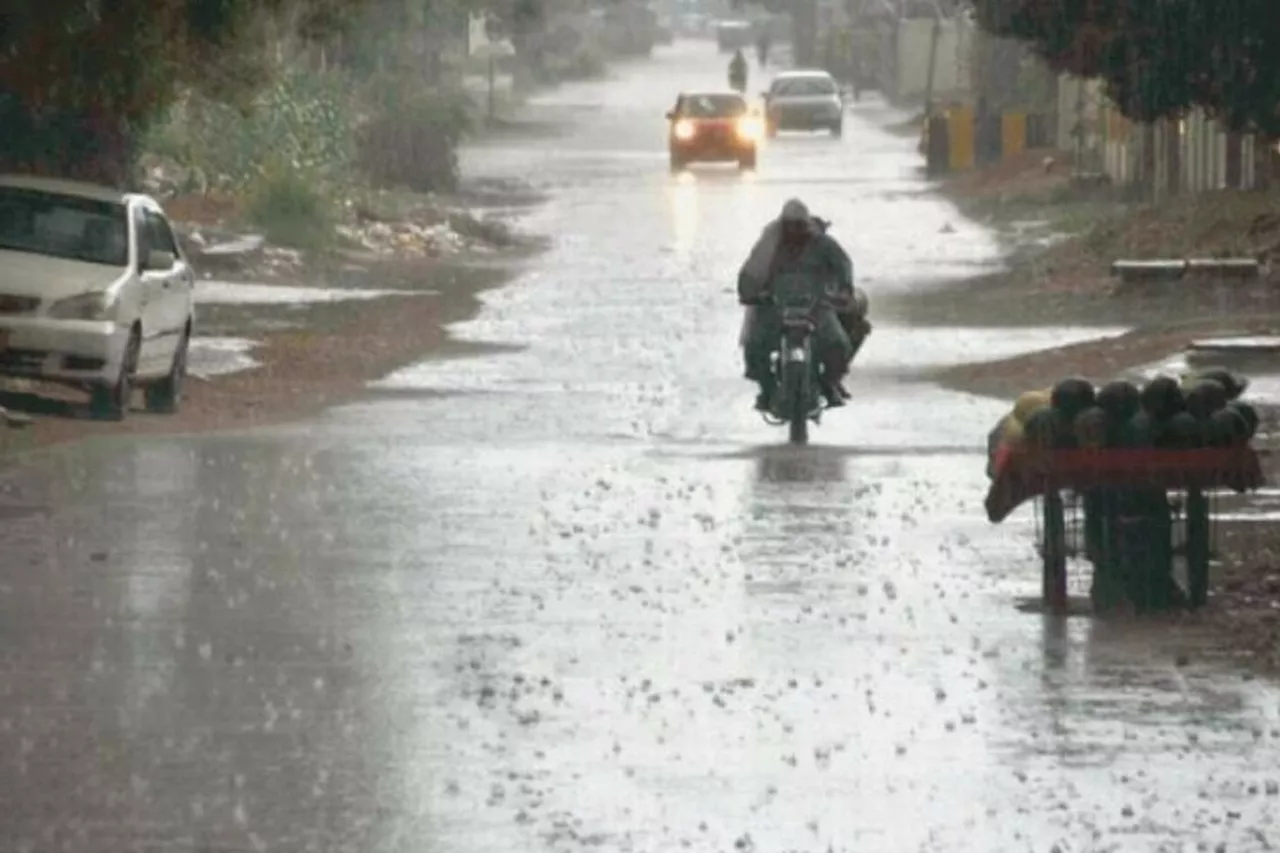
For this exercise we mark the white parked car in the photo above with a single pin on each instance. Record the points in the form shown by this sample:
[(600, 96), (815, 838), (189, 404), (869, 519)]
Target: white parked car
[(804, 100), (95, 292)]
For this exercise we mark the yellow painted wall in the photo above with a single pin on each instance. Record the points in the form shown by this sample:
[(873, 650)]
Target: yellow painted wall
[(960, 133), (1013, 134)]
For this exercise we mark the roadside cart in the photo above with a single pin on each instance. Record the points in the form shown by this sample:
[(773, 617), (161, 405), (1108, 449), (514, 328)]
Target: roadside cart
[(1130, 512)]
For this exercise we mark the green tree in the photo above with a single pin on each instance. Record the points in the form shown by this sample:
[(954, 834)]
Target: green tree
[(81, 79), (1157, 58)]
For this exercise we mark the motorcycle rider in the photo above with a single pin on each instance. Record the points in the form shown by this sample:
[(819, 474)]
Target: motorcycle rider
[(796, 244), (738, 71), (762, 49)]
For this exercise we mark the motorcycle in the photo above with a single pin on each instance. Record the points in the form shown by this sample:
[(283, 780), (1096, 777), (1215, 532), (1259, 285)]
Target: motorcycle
[(797, 391), (797, 397)]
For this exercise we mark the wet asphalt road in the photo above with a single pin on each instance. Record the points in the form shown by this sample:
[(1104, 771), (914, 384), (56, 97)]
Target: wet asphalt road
[(576, 596)]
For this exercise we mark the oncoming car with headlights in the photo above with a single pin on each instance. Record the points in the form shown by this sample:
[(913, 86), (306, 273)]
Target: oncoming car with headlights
[(804, 100), (713, 127), (95, 293)]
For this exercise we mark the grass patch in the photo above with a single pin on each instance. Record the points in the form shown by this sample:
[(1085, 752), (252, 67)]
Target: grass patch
[(291, 211)]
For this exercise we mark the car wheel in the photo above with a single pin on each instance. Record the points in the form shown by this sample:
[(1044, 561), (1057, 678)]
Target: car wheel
[(164, 396), (747, 160), (837, 130), (111, 402)]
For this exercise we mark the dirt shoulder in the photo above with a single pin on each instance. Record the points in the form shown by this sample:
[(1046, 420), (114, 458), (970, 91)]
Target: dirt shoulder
[(1063, 236), (438, 252), (327, 356), (1099, 360), (1062, 240)]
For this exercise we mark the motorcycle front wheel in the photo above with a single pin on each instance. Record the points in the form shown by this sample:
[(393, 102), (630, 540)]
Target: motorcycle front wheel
[(796, 381)]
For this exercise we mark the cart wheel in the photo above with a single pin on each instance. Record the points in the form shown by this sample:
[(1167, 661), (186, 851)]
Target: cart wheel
[(1054, 579), (1197, 514)]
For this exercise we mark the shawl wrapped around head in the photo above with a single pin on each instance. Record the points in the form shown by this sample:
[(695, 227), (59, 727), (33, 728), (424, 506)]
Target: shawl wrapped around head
[(756, 271)]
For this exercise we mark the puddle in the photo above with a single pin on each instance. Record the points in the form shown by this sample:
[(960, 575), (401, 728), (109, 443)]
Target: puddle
[(214, 292), (1251, 517), (1260, 506), (211, 357), (1268, 342), (1253, 507), (872, 107), (925, 347)]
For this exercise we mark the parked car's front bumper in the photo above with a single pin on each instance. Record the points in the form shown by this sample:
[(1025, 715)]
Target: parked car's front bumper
[(61, 350)]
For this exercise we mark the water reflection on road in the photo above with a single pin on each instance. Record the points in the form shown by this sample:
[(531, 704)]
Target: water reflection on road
[(575, 595)]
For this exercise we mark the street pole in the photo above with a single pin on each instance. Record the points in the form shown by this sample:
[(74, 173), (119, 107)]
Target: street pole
[(935, 37), (492, 85), (1080, 169)]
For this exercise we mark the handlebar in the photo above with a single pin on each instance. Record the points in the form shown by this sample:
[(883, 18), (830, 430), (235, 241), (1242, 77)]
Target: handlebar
[(838, 302)]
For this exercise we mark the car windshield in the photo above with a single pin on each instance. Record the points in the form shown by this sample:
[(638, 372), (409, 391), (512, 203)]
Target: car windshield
[(804, 86), (712, 106), (64, 226)]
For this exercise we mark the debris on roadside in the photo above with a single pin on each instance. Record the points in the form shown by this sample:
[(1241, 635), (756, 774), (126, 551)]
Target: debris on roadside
[(421, 232), (280, 262), (406, 239), (426, 231)]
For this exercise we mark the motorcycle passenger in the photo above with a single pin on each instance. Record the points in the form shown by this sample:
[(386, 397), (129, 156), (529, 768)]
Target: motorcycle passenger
[(793, 248), (738, 71)]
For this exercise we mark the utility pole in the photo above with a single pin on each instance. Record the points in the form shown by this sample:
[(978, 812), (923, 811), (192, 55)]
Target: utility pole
[(934, 38), (804, 26), (493, 83), (1079, 128)]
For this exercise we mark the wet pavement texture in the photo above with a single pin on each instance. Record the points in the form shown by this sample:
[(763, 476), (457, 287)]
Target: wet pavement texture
[(576, 596)]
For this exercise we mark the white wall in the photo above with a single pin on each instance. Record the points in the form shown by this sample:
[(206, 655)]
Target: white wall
[(951, 75)]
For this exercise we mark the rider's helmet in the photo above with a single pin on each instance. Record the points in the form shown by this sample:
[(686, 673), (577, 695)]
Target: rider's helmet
[(795, 220), (795, 211)]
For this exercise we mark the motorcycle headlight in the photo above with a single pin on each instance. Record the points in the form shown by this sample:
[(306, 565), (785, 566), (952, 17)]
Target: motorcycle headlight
[(684, 130), (750, 128), (96, 305)]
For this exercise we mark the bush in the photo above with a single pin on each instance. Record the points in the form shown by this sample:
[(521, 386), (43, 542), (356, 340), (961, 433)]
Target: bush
[(582, 61), (302, 120), (410, 137), (290, 209), (585, 62)]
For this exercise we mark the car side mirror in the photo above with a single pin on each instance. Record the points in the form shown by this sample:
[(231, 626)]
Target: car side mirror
[(158, 260), (671, 115)]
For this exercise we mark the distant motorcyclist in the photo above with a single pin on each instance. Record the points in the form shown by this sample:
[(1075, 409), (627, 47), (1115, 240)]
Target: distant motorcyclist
[(738, 71), (796, 245), (762, 49)]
